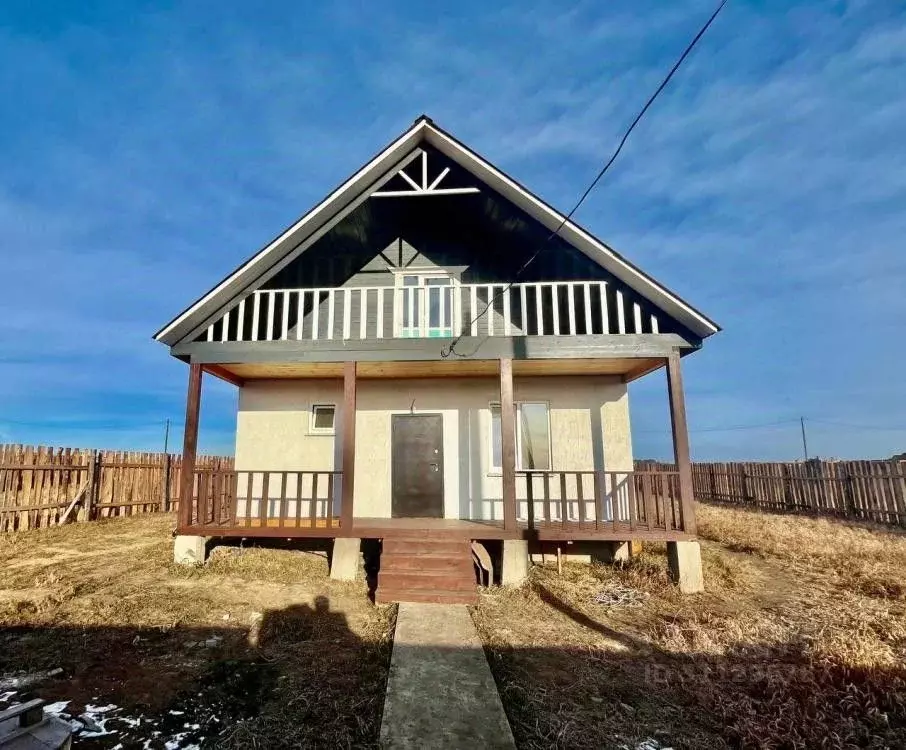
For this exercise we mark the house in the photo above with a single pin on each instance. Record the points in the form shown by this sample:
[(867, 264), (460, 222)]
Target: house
[(435, 358)]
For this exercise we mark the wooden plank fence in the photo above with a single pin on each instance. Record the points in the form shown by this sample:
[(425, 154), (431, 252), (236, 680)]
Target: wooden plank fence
[(861, 490), (42, 486)]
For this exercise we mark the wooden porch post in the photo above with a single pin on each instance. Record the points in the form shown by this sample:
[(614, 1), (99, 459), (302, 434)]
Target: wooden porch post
[(349, 388), (508, 444), (680, 440), (189, 447)]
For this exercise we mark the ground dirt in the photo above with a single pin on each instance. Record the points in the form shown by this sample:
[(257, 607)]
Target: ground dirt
[(258, 648), (798, 642)]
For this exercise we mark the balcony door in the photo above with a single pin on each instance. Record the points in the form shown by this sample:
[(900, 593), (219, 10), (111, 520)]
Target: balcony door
[(424, 305)]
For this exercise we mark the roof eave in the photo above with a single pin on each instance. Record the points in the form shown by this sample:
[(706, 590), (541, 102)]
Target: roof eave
[(635, 277), (296, 232)]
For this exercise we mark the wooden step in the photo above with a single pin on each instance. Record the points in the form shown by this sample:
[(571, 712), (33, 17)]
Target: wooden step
[(431, 580), (425, 546), (427, 561), (426, 570)]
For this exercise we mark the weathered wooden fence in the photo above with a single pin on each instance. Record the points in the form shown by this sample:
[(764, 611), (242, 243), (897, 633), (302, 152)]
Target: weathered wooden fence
[(862, 490), (41, 486)]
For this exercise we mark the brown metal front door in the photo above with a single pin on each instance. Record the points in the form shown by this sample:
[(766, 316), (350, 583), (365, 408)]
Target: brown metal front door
[(417, 466)]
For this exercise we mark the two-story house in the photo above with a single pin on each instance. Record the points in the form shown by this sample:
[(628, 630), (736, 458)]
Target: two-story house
[(435, 358)]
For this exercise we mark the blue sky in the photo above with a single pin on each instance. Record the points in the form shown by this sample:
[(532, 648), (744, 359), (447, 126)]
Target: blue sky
[(148, 148)]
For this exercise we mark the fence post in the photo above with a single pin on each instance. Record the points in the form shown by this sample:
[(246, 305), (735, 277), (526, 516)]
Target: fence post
[(165, 493), (746, 495), (850, 505), (94, 470)]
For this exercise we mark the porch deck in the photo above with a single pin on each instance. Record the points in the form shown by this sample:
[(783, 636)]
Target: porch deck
[(552, 506)]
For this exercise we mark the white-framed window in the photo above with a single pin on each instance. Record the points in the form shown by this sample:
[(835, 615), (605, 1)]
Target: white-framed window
[(321, 419), (425, 303), (533, 437)]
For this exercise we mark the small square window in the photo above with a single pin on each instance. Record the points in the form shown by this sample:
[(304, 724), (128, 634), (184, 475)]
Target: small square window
[(322, 419)]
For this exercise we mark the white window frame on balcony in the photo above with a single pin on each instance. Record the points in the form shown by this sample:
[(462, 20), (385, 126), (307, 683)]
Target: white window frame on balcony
[(418, 305)]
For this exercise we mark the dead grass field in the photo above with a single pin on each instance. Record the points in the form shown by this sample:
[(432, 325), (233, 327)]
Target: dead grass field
[(256, 649), (799, 642)]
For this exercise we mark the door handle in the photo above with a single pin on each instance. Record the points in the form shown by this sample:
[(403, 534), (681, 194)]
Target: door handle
[(435, 467)]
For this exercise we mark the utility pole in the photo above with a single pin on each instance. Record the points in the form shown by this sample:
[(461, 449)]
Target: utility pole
[(167, 437), (804, 443)]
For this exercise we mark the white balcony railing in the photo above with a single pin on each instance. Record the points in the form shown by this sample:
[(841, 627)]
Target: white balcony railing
[(570, 308)]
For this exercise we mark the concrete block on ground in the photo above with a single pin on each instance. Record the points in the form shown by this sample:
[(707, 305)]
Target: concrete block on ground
[(685, 562), (346, 559), (190, 550), (514, 569)]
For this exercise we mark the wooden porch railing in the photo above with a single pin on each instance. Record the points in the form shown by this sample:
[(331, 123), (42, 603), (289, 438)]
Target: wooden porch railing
[(607, 500), (273, 503), (552, 308), (230, 499)]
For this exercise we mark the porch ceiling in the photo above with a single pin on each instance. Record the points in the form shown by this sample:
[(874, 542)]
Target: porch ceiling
[(628, 367)]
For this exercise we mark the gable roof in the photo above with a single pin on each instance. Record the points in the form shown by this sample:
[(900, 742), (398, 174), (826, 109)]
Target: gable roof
[(385, 164)]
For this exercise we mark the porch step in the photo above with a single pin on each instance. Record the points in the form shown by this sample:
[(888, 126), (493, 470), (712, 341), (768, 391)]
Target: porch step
[(426, 561), (429, 580), (426, 570), (419, 546)]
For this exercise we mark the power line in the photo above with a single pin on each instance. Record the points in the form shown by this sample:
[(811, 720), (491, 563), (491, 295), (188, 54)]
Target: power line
[(87, 422), (884, 428), (732, 428), (450, 350)]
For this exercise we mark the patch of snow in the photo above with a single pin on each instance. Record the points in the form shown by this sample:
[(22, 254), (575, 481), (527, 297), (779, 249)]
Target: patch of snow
[(174, 744), (173, 712), (56, 708), (23, 680), (647, 744)]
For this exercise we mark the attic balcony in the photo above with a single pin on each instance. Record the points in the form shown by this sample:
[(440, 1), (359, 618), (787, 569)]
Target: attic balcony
[(555, 308), (273, 332)]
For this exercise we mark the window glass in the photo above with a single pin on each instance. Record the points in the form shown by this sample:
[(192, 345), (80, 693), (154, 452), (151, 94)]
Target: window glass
[(410, 301), (438, 302), (323, 418), (534, 443), (496, 447)]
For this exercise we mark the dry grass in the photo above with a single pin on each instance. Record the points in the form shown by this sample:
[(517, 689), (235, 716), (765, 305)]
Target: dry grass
[(860, 558), (799, 642), (299, 660)]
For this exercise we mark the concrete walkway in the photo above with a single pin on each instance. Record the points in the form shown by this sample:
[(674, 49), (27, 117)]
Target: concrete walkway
[(440, 693)]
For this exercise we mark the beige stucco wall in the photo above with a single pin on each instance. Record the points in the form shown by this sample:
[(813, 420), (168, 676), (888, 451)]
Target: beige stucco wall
[(589, 418)]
